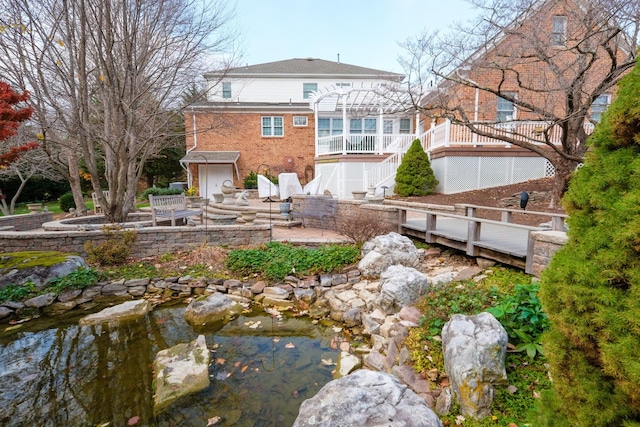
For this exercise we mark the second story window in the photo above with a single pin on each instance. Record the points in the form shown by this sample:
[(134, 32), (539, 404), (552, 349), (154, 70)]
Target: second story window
[(226, 90), (599, 106), (559, 31), (405, 125), (307, 89), (272, 126), (506, 111)]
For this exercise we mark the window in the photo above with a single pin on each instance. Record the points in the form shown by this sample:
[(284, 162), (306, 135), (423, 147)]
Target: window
[(307, 89), (226, 90), (599, 106), (329, 126), (559, 31), (506, 111), (387, 126), (272, 126), (355, 125), (300, 121), (405, 125)]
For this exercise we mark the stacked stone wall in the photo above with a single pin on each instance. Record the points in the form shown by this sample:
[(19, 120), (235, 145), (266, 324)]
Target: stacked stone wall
[(546, 243), (30, 221), (149, 242)]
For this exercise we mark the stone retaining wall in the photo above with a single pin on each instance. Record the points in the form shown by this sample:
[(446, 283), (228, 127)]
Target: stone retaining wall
[(30, 221), (150, 241), (348, 210), (545, 244)]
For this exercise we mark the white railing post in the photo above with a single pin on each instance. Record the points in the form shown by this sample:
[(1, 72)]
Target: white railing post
[(447, 133)]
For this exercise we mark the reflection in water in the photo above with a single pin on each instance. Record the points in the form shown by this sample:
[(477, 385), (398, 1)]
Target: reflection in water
[(262, 369)]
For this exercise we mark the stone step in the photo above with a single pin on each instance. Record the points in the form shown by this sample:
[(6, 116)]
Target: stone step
[(276, 222)]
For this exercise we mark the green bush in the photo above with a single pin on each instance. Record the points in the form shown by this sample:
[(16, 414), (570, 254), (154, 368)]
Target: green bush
[(415, 176), (251, 181), (77, 279), (522, 317), (276, 260), (17, 292), (156, 191), (115, 250), (67, 202), (591, 289)]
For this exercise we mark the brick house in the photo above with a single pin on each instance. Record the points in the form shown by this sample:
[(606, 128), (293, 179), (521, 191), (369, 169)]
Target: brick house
[(516, 86), (260, 118)]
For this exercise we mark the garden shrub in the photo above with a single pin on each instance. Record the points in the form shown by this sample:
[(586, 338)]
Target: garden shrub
[(276, 260), (67, 202), (415, 176), (156, 191), (251, 181), (115, 250), (591, 289)]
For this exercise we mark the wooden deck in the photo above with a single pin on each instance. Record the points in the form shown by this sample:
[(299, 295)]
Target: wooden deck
[(502, 241)]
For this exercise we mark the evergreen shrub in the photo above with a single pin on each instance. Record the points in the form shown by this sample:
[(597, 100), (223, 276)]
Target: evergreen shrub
[(415, 176), (67, 202), (591, 289)]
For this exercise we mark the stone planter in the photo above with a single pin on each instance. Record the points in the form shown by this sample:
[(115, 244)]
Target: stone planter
[(248, 216), (34, 207), (218, 197), (285, 209), (359, 195)]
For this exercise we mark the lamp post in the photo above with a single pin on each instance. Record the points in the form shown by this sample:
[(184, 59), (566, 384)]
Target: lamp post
[(270, 201), (206, 194)]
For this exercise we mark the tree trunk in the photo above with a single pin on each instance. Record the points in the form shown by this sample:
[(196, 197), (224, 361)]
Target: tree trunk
[(564, 170), (74, 181)]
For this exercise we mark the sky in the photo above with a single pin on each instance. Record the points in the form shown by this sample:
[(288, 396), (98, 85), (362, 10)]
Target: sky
[(366, 33)]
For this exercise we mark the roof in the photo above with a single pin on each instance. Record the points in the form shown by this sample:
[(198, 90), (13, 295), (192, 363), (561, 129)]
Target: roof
[(303, 67), (211, 157)]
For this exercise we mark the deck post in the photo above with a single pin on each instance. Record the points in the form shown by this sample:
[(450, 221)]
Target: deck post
[(506, 216), (528, 268), (431, 226), (557, 223), (402, 218), (473, 235)]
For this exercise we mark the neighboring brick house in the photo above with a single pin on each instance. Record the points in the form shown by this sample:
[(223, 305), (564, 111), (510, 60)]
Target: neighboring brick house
[(259, 118), (532, 63)]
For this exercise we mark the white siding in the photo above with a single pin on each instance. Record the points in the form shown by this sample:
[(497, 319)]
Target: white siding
[(276, 90)]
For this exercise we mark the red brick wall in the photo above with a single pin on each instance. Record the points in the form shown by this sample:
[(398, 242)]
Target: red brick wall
[(243, 132)]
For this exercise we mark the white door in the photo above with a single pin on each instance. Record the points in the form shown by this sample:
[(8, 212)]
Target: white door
[(211, 178)]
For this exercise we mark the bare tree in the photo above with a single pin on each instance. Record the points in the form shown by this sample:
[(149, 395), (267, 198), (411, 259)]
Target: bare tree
[(107, 76), (31, 164), (552, 60)]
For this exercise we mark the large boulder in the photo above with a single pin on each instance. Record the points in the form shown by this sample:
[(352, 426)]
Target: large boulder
[(122, 312), (214, 310), (383, 251), (401, 286), (180, 371), (366, 398), (38, 267), (474, 350)]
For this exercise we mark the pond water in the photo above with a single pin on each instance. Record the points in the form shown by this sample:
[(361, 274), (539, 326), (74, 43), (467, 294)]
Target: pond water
[(262, 368)]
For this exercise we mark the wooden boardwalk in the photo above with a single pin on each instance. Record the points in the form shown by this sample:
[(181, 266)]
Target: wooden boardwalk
[(502, 241)]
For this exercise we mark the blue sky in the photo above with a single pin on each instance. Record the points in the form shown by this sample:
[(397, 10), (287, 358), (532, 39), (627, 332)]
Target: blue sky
[(364, 33)]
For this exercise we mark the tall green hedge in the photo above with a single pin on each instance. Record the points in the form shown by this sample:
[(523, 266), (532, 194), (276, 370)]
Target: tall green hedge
[(415, 176), (591, 289)]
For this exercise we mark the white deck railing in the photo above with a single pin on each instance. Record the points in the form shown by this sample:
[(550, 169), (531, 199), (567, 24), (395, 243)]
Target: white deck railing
[(445, 134)]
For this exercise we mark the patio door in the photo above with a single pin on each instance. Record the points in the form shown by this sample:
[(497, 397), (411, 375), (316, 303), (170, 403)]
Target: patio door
[(211, 178)]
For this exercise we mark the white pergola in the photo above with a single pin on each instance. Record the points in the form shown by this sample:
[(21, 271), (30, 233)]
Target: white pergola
[(368, 100)]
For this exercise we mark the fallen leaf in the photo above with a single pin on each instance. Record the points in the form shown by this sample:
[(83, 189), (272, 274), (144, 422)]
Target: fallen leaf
[(237, 364), (337, 329), (327, 362), (244, 368), (276, 339), (220, 361), (133, 420), (213, 421), (290, 345)]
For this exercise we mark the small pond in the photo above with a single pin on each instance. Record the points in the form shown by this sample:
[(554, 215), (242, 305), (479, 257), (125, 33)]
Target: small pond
[(56, 373)]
